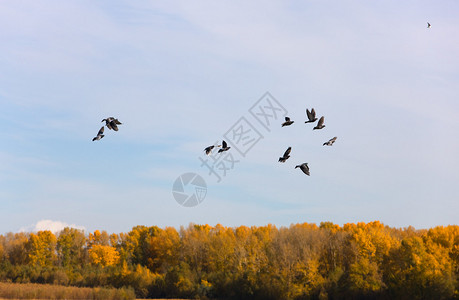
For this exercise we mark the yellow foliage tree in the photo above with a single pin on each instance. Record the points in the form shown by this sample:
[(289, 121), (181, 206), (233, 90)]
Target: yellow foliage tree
[(103, 255), (41, 248), (98, 238), (163, 249)]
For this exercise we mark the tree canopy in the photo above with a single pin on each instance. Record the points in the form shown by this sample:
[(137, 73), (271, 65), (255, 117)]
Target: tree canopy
[(302, 261)]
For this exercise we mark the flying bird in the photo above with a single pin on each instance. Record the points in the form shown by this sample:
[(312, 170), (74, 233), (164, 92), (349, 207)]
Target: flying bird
[(209, 149), (100, 134), (428, 25), (311, 116), (224, 147), (108, 120), (287, 122), (112, 123), (304, 167), (330, 142), (286, 155), (320, 124)]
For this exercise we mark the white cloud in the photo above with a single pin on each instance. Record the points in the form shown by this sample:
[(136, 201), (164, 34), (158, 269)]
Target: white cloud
[(53, 226)]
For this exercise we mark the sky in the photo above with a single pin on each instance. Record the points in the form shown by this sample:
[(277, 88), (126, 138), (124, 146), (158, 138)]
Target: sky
[(184, 75)]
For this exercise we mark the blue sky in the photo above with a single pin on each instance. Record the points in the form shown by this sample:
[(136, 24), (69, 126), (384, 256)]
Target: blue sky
[(180, 74)]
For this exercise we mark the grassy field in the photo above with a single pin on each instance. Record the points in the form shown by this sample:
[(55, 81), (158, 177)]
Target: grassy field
[(48, 291)]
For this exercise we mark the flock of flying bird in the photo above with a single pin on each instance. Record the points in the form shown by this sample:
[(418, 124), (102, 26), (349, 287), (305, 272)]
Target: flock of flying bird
[(111, 124), (311, 119), (304, 166)]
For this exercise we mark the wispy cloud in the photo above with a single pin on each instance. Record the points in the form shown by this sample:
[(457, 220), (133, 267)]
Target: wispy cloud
[(53, 226)]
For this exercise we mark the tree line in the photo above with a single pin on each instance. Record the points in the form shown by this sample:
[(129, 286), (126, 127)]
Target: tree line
[(302, 261)]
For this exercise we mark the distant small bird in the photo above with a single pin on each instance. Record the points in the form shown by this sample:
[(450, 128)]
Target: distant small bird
[(112, 123), (311, 116), (224, 147), (286, 155), (304, 167), (100, 134), (428, 25), (330, 142), (209, 149), (320, 124), (287, 122)]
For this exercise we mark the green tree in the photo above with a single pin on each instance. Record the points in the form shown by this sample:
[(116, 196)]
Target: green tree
[(71, 247), (365, 277)]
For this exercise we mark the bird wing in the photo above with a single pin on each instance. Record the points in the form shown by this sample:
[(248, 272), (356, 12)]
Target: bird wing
[(331, 141), (304, 167), (309, 114), (313, 113), (101, 131), (117, 122), (287, 152), (287, 119), (224, 145), (113, 125), (321, 121)]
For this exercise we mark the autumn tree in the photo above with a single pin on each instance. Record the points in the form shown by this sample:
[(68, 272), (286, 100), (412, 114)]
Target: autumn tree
[(2, 249), (41, 248), (418, 272), (302, 261), (71, 247), (163, 249), (98, 238), (103, 255), (136, 245), (100, 252), (15, 248)]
